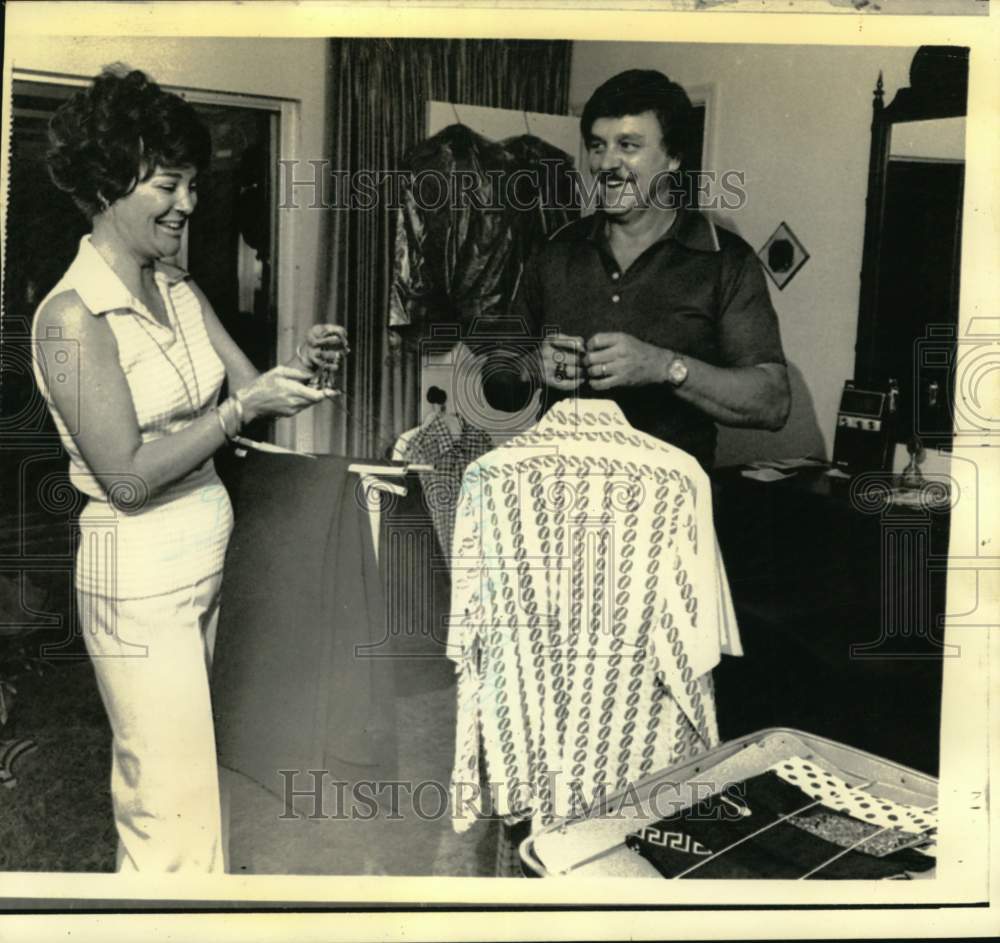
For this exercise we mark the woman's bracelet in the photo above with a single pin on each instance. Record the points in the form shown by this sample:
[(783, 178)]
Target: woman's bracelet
[(222, 422), (230, 416), (240, 414)]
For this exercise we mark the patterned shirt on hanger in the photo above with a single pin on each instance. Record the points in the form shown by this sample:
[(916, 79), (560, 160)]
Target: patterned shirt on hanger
[(589, 605)]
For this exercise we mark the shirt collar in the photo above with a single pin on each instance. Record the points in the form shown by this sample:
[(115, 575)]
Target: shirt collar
[(690, 228), (583, 414), (99, 286)]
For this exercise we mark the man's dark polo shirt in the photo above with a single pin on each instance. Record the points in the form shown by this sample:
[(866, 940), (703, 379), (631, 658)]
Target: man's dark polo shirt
[(697, 290)]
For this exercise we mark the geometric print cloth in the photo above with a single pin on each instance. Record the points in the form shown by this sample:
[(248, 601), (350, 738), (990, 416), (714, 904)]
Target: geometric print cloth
[(862, 805), (747, 832), (589, 605)]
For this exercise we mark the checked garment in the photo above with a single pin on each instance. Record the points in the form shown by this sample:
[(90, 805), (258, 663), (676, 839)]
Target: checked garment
[(589, 605), (433, 444)]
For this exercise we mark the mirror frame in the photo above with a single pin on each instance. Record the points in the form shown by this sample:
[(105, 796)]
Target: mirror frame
[(938, 89)]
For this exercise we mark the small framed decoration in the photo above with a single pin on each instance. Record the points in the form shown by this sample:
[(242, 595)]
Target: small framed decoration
[(782, 255)]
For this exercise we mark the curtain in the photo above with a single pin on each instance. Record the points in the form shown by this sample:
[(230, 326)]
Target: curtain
[(378, 92)]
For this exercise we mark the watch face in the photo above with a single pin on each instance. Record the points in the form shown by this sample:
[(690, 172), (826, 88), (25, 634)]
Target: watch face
[(677, 372)]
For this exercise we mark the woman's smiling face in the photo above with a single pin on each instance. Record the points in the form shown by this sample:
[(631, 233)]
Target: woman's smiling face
[(150, 219)]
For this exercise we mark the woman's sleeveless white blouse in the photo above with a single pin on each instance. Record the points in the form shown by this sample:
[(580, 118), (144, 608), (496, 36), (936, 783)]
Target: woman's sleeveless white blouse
[(137, 546)]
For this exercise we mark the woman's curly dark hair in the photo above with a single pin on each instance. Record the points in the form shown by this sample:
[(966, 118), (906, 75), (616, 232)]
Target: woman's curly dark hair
[(116, 132)]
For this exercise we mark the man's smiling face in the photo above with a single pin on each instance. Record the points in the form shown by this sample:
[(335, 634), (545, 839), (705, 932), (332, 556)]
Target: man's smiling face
[(629, 160)]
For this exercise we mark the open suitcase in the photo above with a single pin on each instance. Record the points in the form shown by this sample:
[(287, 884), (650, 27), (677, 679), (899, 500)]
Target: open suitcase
[(594, 845)]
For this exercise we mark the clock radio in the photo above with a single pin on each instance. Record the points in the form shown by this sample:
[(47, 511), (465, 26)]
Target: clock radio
[(864, 439)]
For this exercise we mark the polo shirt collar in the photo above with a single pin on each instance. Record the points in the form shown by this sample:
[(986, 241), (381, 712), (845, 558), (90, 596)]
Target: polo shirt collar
[(690, 228), (99, 286)]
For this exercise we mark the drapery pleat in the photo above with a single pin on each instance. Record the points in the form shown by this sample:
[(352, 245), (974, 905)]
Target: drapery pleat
[(378, 93)]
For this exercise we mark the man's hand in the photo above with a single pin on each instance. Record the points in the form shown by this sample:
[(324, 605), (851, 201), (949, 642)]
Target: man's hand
[(617, 359), (562, 366)]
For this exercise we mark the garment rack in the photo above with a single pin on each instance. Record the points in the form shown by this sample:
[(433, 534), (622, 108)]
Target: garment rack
[(371, 475), (358, 468)]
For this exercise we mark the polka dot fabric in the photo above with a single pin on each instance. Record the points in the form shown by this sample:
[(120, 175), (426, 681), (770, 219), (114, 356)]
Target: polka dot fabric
[(836, 794)]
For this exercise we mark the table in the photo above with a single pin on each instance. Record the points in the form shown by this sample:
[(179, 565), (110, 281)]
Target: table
[(840, 598)]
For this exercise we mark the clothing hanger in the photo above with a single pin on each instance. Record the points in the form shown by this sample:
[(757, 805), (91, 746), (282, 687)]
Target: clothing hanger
[(357, 468), (371, 482), (369, 475), (256, 446)]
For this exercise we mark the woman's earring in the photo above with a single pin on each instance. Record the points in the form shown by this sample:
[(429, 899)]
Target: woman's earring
[(103, 202)]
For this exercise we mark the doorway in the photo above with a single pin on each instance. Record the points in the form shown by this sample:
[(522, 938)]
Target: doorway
[(229, 248)]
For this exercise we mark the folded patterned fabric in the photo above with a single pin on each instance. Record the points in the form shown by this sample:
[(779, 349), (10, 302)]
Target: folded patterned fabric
[(744, 832), (857, 802), (673, 852), (841, 829)]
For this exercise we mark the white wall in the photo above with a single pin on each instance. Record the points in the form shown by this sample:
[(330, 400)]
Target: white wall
[(293, 69), (797, 120)]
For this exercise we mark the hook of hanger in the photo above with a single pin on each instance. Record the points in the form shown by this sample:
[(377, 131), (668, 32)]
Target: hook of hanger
[(454, 108), (527, 126)]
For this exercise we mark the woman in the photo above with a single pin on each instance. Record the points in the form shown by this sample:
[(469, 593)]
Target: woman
[(134, 393)]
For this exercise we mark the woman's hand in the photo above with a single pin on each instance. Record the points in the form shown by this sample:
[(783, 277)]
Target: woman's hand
[(280, 392), (324, 346)]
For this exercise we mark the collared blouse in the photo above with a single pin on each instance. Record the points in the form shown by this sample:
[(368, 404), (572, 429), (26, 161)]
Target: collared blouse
[(137, 545)]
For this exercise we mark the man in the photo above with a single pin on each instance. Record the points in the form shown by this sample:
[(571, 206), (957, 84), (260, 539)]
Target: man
[(646, 302)]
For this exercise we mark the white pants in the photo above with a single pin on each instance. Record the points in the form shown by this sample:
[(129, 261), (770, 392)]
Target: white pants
[(152, 657)]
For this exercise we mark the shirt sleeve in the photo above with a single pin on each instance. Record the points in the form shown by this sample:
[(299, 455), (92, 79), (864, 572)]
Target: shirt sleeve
[(748, 324)]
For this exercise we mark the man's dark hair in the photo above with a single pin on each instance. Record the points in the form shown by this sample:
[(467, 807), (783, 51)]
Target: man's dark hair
[(637, 91), (116, 132)]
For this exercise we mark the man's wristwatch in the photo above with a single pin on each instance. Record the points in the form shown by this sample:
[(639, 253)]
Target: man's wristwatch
[(677, 370)]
